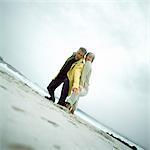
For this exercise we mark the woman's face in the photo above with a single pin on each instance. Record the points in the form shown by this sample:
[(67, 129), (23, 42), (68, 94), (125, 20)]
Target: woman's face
[(89, 58)]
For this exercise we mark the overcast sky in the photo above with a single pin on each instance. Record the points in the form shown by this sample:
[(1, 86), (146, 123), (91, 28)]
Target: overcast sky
[(37, 37)]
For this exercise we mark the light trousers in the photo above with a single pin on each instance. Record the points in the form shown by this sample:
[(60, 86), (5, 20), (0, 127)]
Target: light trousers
[(74, 98)]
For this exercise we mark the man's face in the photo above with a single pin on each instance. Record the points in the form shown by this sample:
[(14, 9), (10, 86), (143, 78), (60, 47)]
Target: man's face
[(79, 55)]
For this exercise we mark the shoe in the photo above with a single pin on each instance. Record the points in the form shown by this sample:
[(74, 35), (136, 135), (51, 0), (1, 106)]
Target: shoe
[(61, 103), (50, 98), (67, 105), (71, 110)]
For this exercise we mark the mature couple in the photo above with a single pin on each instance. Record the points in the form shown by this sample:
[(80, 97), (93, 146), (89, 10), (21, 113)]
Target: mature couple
[(74, 75)]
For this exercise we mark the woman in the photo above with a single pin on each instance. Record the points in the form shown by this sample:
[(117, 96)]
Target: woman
[(71, 103)]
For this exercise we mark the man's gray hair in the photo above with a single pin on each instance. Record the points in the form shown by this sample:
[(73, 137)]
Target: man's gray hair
[(83, 50)]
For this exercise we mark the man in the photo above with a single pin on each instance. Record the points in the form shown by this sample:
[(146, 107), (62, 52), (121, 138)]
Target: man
[(73, 62), (71, 103)]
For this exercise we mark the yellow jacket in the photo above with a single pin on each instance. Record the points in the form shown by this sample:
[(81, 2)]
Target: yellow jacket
[(74, 74)]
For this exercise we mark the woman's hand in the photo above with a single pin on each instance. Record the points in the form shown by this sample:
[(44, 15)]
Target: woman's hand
[(75, 90)]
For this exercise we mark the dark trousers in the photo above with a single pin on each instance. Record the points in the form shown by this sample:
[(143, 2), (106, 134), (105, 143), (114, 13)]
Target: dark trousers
[(65, 88)]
